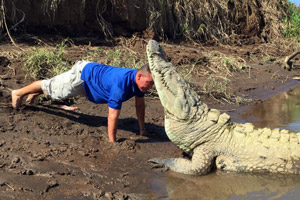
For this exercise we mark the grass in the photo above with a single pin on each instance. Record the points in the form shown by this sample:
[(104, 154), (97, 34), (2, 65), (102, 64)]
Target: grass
[(219, 62), (116, 57), (42, 63), (218, 67), (293, 22), (219, 90), (268, 58), (186, 71)]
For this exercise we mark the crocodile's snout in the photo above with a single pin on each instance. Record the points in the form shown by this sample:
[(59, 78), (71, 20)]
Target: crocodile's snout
[(175, 94), (153, 46)]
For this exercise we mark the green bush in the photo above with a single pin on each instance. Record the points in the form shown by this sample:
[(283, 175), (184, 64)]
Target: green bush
[(293, 22), (42, 63)]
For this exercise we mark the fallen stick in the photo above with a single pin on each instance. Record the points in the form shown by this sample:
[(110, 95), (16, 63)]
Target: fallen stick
[(287, 61)]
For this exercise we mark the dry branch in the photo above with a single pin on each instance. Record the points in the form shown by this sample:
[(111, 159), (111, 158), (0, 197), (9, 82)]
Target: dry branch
[(6, 27), (288, 64)]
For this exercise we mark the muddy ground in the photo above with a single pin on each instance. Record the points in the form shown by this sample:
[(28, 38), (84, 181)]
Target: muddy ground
[(50, 153)]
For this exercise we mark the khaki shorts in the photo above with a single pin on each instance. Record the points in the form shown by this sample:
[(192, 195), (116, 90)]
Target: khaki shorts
[(65, 85)]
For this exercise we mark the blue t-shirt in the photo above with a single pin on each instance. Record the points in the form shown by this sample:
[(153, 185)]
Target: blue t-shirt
[(108, 84)]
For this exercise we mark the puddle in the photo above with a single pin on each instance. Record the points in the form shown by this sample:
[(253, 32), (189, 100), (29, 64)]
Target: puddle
[(281, 111), (222, 185)]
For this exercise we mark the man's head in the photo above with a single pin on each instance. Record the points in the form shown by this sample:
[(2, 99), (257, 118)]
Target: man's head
[(144, 79)]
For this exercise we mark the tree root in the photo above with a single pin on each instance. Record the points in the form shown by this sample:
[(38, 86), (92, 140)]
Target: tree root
[(288, 64)]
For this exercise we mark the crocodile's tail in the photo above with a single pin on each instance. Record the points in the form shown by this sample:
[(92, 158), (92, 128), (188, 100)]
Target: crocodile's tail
[(261, 149)]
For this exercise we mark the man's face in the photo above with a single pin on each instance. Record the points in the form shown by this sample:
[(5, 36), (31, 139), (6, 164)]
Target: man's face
[(144, 82)]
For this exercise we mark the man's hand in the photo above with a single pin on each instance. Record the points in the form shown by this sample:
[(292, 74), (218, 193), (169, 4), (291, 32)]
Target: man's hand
[(143, 132)]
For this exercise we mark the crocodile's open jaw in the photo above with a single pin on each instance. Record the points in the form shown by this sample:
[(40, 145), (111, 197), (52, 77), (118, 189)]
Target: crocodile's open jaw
[(176, 96)]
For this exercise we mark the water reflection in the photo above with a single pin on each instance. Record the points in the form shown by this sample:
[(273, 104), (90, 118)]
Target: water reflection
[(281, 111), (221, 185)]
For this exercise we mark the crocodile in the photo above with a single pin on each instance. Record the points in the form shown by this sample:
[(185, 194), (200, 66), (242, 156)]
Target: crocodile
[(209, 137)]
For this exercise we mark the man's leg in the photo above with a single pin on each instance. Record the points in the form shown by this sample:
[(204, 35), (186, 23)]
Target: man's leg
[(31, 97), (31, 89), (65, 85)]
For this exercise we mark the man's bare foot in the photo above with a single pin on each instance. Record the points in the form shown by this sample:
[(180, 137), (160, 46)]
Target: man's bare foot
[(31, 97), (15, 99)]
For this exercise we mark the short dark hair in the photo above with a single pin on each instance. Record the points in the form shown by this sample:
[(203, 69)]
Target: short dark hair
[(145, 69)]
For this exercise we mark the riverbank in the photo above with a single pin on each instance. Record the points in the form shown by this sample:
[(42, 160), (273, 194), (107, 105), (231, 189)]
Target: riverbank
[(50, 153)]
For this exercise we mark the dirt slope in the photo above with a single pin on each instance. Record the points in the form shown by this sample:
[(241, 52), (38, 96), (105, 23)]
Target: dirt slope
[(209, 21)]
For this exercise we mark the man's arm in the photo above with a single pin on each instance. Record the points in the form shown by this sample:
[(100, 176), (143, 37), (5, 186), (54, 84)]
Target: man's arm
[(112, 124), (140, 113)]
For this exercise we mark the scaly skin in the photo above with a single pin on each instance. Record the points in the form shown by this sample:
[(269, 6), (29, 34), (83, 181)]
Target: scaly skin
[(209, 136)]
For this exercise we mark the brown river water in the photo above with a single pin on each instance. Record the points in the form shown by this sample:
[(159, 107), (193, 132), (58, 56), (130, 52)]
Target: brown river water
[(281, 111)]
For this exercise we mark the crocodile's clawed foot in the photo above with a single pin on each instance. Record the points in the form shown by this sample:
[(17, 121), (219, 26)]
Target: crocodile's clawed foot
[(158, 163)]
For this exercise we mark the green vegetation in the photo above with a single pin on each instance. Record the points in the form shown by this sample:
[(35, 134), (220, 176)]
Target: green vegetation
[(219, 62), (220, 67), (116, 57), (186, 71), (293, 22), (216, 88), (268, 58), (41, 62), (219, 90), (46, 62)]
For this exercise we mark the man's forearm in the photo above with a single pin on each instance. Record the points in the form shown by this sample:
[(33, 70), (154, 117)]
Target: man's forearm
[(112, 124), (141, 117), (140, 113)]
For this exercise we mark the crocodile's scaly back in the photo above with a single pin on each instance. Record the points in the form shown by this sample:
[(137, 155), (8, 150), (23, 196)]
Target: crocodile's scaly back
[(209, 136)]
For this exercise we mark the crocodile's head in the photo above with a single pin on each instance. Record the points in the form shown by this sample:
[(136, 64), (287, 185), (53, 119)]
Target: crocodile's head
[(187, 119), (178, 99), (180, 102)]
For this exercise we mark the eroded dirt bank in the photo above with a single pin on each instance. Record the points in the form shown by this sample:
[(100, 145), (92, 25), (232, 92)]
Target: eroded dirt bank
[(50, 153)]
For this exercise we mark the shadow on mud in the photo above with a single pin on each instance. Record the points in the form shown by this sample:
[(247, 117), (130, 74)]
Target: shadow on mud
[(156, 133)]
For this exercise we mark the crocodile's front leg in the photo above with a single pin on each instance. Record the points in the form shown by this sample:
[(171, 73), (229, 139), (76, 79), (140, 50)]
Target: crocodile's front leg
[(199, 164)]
